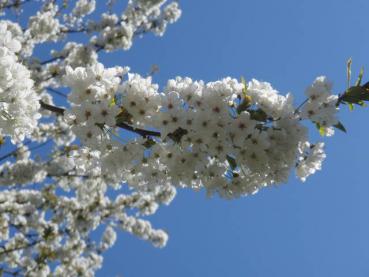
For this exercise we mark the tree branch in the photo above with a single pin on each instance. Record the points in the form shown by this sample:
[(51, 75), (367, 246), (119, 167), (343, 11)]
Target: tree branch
[(98, 49), (51, 108), (12, 153), (6, 251), (15, 4), (141, 132)]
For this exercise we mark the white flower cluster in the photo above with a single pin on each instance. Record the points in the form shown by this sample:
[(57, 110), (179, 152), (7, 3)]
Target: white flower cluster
[(228, 137), (44, 26), (206, 143), (76, 54), (62, 235), (206, 138), (223, 136), (321, 106), (108, 239), (140, 16), (18, 102), (81, 9), (23, 171), (268, 99), (93, 111), (140, 98), (59, 129), (312, 156)]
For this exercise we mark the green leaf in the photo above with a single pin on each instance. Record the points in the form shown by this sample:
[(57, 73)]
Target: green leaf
[(360, 77), (340, 126), (232, 162), (123, 117), (244, 83), (112, 102), (258, 115), (362, 103), (351, 106), (321, 129), (355, 95), (244, 105), (348, 71), (246, 101)]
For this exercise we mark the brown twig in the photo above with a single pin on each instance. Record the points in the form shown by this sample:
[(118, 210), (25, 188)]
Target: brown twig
[(142, 132)]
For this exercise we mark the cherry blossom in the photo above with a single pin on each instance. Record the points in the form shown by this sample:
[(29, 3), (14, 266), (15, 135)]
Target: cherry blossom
[(228, 137)]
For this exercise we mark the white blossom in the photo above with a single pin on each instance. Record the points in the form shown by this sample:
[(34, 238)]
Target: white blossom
[(311, 159), (18, 102), (118, 131), (44, 25), (321, 106)]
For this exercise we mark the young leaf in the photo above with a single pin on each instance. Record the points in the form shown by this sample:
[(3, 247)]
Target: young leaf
[(244, 105), (349, 62), (360, 77), (321, 129), (246, 101), (258, 115), (124, 116), (340, 126), (244, 89), (362, 103)]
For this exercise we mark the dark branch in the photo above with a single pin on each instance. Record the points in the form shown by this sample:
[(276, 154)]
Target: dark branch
[(83, 30), (11, 273), (51, 108), (15, 4), (141, 132), (14, 152), (54, 59), (51, 60), (9, 250)]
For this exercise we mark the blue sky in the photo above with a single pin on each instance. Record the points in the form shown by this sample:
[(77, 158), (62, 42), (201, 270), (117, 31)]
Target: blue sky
[(317, 228)]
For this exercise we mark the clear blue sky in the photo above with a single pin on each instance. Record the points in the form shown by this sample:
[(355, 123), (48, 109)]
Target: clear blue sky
[(317, 228)]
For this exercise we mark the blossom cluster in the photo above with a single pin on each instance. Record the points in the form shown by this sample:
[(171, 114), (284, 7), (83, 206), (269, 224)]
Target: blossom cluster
[(118, 133), (44, 26), (207, 136), (93, 110), (208, 141), (321, 105), (64, 235), (139, 17), (18, 101)]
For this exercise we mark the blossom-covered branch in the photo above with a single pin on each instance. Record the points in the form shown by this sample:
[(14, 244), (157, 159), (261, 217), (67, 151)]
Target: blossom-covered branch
[(228, 137), (8, 4)]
